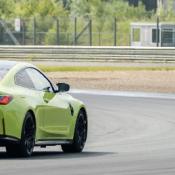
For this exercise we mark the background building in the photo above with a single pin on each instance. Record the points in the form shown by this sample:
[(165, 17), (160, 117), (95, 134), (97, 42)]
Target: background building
[(145, 34)]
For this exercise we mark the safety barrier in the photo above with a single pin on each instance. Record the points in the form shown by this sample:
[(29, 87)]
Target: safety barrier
[(86, 53)]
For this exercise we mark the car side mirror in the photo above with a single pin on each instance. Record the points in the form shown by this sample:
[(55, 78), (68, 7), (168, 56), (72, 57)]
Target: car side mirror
[(63, 87)]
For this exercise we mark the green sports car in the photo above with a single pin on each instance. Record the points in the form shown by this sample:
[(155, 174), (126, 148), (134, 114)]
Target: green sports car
[(36, 112)]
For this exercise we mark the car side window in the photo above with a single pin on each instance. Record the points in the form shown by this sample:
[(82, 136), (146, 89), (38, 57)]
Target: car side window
[(23, 79), (39, 81)]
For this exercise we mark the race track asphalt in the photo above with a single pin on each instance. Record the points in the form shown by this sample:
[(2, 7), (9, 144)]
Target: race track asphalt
[(127, 136)]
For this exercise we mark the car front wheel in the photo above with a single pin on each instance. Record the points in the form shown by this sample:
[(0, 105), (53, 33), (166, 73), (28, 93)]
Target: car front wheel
[(80, 135)]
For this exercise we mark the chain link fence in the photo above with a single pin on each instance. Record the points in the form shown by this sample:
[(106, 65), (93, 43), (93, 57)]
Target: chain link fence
[(54, 31), (86, 32)]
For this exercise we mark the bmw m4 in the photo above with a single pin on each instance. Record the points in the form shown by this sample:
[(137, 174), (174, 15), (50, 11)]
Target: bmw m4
[(36, 112)]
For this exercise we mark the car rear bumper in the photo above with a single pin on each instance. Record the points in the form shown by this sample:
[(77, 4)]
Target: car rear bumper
[(5, 140)]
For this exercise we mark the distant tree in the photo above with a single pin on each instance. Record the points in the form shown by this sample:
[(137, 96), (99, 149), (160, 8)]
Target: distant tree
[(149, 4), (100, 12), (6, 8), (134, 2), (66, 3), (27, 8), (81, 8)]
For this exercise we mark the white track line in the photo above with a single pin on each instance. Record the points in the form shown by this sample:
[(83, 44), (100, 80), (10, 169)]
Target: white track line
[(124, 94)]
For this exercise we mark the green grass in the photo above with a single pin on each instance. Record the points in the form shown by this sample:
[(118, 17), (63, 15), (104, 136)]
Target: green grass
[(98, 68)]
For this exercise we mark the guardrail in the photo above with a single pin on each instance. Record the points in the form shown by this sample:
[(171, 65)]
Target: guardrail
[(83, 53)]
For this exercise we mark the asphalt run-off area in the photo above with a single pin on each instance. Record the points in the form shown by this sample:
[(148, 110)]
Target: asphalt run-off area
[(129, 134)]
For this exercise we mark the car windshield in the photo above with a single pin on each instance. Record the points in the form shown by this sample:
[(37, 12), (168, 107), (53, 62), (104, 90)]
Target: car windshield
[(5, 66)]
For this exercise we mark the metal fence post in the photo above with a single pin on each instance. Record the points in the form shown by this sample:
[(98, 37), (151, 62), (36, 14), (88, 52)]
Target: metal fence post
[(115, 31), (75, 31), (34, 31), (90, 32), (157, 33), (1, 34), (23, 32), (58, 31)]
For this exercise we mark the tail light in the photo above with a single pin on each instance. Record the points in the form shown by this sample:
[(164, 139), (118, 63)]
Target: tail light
[(4, 100)]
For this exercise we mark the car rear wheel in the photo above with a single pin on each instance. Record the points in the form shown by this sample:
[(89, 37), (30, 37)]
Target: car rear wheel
[(26, 145), (80, 135)]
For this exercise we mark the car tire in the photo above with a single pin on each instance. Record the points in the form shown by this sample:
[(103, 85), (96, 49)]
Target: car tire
[(27, 142), (80, 135), (12, 150)]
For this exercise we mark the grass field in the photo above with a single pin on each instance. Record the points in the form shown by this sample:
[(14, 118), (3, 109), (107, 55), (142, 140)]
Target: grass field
[(97, 68)]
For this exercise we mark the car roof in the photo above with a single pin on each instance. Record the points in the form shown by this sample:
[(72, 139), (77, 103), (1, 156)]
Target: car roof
[(12, 67), (10, 64), (7, 63)]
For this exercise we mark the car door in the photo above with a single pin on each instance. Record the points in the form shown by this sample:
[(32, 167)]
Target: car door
[(56, 116)]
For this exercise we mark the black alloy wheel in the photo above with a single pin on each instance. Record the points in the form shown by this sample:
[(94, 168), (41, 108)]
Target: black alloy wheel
[(80, 135), (28, 136), (27, 143)]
